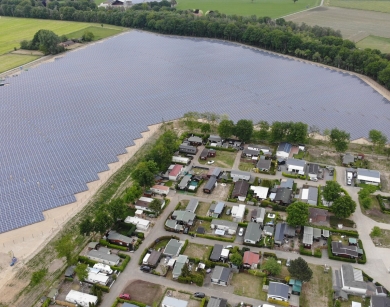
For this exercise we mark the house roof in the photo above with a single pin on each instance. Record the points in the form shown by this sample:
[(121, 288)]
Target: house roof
[(217, 208), (251, 258), (278, 289), (258, 213), (113, 235), (287, 183), (180, 262), (316, 233), (259, 147), (296, 162), (171, 224), (173, 302), (307, 235), (184, 181), (239, 173), (313, 168), (348, 158), (70, 270), (103, 255), (339, 248), (286, 147), (269, 229), (215, 138), (283, 195), (279, 231), (195, 139), (214, 171), (137, 221), (241, 188), (289, 231), (128, 305), (260, 192), (253, 232), (217, 302), (192, 205), (310, 193), (160, 187), (263, 164), (93, 244), (352, 277), (250, 152), (183, 216), (210, 183), (176, 170), (231, 225), (52, 293), (154, 257), (216, 253), (204, 153), (315, 212), (173, 247), (368, 175), (380, 301), (221, 273)]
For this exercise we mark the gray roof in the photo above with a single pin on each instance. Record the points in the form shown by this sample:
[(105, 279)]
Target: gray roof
[(258, 213), (349, 278), (368, 173), (187, 147), (184, 216), (278, 289), (307, 235), (380, 301), (192, 205), (348, 158), (287, 183), (269, 229), (216, 253), (253, 232), (239, 173), (128, 305), (195, 139), (173, 302), (289, 231), (286, 147), (241, 188), (221, 273), (283, 195), (217, 302), (350, 250), (296, 162), (259, 147), (216, 172), (210, 184), (171, 224), (313, 168), (217, 208), (92, 244), (173, 247), (70, 271), (204, 153), (154, 257), (231, 225), (113, 235), (250, 152), (264, 164), (317, 233), (184, 181), (279, 231), (313, 194), (215, 138), (103, 255), (179, 264)]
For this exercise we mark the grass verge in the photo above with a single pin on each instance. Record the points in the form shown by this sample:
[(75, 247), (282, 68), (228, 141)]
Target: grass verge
[(9, 61)]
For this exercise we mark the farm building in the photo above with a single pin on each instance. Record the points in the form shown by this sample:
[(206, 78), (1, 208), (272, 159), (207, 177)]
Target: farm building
[(368, 176), (296, 166), (240, 175), (160, 189), (141, 224), (283, 151)]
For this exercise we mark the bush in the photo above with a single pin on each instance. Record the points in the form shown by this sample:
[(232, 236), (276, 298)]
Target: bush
[(88, 36), (203, 302), (141, 235), (114, 246), (318, 253), (69, 279), (282, 303), (86, 260), (183, 248), (103, 288), (37, 277), (46, 303), (204, 218), (141, 258), (266, 255), (376, 232)]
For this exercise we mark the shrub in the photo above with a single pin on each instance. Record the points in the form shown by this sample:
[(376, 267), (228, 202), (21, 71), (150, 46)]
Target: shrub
[(46, 303), (141, 235), (183, 248), (376, 232), (203, 302), (114, 246), (266, 255), (37, 277), (103, 288), (86, 260), (303, 251), (318, 253)]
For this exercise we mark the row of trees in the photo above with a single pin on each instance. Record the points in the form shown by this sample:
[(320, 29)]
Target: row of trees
[(317, 44), (44, 40)]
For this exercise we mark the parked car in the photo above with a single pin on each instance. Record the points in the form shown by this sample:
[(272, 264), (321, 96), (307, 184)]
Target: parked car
[(199, 294), (210, 162), (13, 261), (241, 232), (228, 211), (145, 268), (288, 263), (125, 296)]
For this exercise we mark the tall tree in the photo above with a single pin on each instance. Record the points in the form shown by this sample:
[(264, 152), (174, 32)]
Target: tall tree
[(339, 139), (272, 266), (47, 42), (378, 139), (117, 209), (81, 271), (144, 173), (244, 130), (299, 269), (331, 190), (86, 226), (236, 259), (264, 130), (297, 214), (155, 206), (65, 247), (205, 128), (343, 206), (133, 193), (102, 221), (225, 128)]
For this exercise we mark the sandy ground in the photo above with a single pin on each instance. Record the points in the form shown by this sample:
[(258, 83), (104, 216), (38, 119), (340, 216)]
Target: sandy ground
[(27, 241)]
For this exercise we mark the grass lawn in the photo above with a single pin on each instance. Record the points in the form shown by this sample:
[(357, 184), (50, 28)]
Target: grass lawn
[(248, 285), (352, 298), (367, 5), (334, 221), (248, 7), (319, 291), (99, 32), (14, 30), (9, 61), (383, 239), (184, 204), (339, 238), (375, 212), (202, 209), (375, 42), (161, 244), (222, 159), (246, 166), (197, 250)]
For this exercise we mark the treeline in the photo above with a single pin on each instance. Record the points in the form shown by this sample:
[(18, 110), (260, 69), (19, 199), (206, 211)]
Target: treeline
[(322, 45)]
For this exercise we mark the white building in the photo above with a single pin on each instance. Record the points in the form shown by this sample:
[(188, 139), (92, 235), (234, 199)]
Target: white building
[(142, 225), (160, 189), (283, 151), (103, 268), (296, 166), (169, 301), (103, 255), (97, 278), (224, 225), (368, 176), (238, 213), (81, 299), (260, 192)]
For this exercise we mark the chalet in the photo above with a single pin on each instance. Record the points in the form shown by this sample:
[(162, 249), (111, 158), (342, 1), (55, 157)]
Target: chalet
[(118, 239), (103, 255), (210, 185), (224, 226), (160, 189), (192, 205), (317, 215), (251, 260), (141, 224), (154, 258), (307, 237), (175, 172), (172, 249), (217, 302), (309, 195), (216, 253), (296, 166), (250, 153), (278, 291), (214, 171), (188, 149), (346, 251), (283, 151), (350, 280), (313, 170), (216, 209), (263, 164), (260, 192), (287, 183), (348, 159), (215, 140), (259, 148), (239, 175), (181, 261), (238, 213), (240, 190), (283, 196), (184, 182), (368, 176), (221, 275), (195, 141), (183, 217), (253, 233), (207, 153), (257, 215)]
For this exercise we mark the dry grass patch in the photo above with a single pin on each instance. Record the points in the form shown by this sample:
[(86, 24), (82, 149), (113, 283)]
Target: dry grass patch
[(248, 285), (145, 292), (383, 240), (246, 166), (222, 159), (202, 209), (194, 250)]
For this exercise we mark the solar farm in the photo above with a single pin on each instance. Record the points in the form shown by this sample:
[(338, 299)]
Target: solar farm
[(64, 121)]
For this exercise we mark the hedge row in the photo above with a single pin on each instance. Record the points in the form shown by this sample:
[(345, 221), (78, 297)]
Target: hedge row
[(305, 252), (114, 246), (282, 303), (303, 177), (273, 255), (275, 207), (103, 288), (364, 257), (183, 248), (380, 201), (86, 260), (350, 233), (204, 218), (46, 303), (122, 267), (211, 237), (203, 303)]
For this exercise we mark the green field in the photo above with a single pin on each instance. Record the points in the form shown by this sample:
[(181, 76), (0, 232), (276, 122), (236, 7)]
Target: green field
[(367, 5), (375, 42), (9, 61), (260, 8), (99, 32)]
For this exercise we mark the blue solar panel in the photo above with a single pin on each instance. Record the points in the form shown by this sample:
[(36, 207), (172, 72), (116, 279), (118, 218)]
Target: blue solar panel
[(63, 122)]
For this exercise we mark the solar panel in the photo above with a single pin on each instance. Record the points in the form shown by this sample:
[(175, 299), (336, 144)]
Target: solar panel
[(62, 122)]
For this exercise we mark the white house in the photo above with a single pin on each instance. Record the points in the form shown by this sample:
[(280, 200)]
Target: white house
[(103, 268), (97, 278), (238, 213), (283, 151), (240, 175), (169, 301), (368, 176), (160, 189), (142, 225), (260, 192), (81, 299), (224, 225), (259, 148), (296, 166)]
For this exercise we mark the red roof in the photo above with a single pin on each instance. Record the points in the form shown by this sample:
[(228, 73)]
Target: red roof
[(160, 187), (251, 258), (176, 170)]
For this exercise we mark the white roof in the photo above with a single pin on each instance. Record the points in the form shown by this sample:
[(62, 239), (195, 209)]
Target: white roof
[(97, 278), (173, 302), (368, 175), (305, 194), (146, 199), (260, 192), (356, 304), (225, 253), (76, 296), (139, 211), (137, 221), (238, 211)]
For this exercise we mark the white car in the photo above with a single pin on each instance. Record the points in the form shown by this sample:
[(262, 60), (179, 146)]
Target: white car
[(241, 232), (210, 162)]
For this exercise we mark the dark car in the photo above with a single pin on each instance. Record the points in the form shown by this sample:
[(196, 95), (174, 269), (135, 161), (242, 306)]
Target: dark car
[(199, 294), (145, 268)]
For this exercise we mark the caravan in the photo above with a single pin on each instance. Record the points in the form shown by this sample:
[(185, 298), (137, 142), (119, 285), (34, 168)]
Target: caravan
[(103, 268)]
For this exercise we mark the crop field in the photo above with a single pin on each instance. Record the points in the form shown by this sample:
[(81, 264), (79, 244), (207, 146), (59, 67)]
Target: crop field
[(366, 5), (375, 42), (353, 24), (260, 8), (9, 61)]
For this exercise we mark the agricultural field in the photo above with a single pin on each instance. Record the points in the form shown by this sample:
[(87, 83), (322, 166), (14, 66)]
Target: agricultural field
[(375, 42), (366, 5), (9, 61), (353, 24), (249, 7)]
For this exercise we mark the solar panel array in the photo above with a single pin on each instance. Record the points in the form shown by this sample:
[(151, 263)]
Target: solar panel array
[(63, 122)]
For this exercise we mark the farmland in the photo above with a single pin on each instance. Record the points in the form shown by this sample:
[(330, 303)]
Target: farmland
[(9, 61), (367, 5), (375, 42), (249, 7), (353, 24)]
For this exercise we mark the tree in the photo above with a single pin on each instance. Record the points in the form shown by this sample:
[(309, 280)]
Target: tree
[(236, 259), (86, 226), (343, 206), (339, 139), (295, 1), (378, 139), (185, 271), (102, 221), (65, 247), (272, 266), (118, 209), (225, 128), (133, 193), (205, 128), (144, 173), (81, 271), (264, 130), (47, 42), (297, 214), (244, 130), (88, 36), (155, 206), (331, 190), (299, 269), (376, 232)]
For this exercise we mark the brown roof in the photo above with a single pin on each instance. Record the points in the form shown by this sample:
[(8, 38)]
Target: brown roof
[(241, 188), (317, 215), (251, 258)]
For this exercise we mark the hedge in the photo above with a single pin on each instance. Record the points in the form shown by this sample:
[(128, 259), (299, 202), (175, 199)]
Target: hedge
[(103, 288), (273, 255), (364, 257), (317, 253), (114, 246), (350, 233), (282, 303), (183, 248), (122, 267), (212, 237), (203, 302), (46, 303), (232, 200), (303, 177), (369, 278), (221, 148), (242, 224), (266, 203), (131, 302), (331, 256), (380, 201), (305, 252), (142, 256), (69, 279), (204, 218), (86, 260)]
